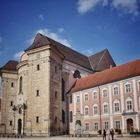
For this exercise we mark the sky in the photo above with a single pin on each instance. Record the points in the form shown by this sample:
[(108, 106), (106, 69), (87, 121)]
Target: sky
[(87, 26)]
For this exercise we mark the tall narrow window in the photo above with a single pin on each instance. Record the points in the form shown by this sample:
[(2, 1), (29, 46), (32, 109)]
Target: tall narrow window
[(117, 107), (95, 110), (63, 89), (128, 88), (11, 123), (106, 125), (129, 105), (117, 124), (37, 119), (63, 116), (37, 92), (11, 103), (78, 99), (105, 108), (70, 98), (12, 84), (86, 97), (105, 93), (94, 95), (55, 120), (20, 85), (86, 111), (116, 91), (96, 126), (38, 67)]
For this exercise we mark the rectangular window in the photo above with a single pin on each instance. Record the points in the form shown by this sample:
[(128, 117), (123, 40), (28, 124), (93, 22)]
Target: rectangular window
[(37, 119), (78, 99), (38, 67), (95, 95), (116, 91), (106, 125), (117, 124), (117, 107), (129, 105), (11, 123), (37, 92), (11, 103), (128, 88), (86, 110), (105, 108), (87, 126), (70, 98), (105, 93), (86, 97), (12, 84), (95, 110), (71, 116), (96, 126), (78, 111)]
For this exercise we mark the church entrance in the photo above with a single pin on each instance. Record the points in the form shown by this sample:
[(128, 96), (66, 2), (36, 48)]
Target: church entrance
[(19, 126), (130, 125)]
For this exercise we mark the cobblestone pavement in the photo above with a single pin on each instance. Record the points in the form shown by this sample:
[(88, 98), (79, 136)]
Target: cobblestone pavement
[(70, 138)]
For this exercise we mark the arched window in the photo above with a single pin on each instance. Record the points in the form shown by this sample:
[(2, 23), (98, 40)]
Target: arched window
[(20, 85), (63, 90), (116, 91)]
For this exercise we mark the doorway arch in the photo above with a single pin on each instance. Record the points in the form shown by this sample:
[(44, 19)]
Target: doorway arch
[(130, 126), (19, 126), (78, 126)]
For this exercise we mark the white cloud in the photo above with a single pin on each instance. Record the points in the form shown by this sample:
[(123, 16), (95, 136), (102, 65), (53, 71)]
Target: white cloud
[(122, 6), (60, 30), (41, 17), (18, 55), (87, 5), (54, 36), (126, 6)]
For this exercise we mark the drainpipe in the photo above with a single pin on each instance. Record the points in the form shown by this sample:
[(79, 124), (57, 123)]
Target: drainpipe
[(100, 107)]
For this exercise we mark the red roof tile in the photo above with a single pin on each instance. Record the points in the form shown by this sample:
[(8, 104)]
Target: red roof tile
[(121, 72)]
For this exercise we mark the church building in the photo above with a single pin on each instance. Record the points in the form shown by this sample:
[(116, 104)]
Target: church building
[(36, 91)]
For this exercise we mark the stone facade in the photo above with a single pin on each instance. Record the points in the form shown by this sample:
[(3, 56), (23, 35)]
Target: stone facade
[(34, 100)]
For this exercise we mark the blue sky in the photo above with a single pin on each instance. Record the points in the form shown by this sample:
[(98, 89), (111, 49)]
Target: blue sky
[(87, 26)]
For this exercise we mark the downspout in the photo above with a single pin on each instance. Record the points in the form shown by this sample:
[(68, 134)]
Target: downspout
[(100, 107)]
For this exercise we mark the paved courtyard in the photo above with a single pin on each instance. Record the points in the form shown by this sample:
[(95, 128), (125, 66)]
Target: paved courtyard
[(70, 138)]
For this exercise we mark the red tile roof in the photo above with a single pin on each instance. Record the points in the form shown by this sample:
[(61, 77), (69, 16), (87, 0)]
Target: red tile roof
[(121, 72)]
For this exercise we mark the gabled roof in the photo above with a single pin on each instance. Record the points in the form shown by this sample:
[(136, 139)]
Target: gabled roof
[(96, 62), (68, 53), (114, 74), (10, 66), (101, 60)]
